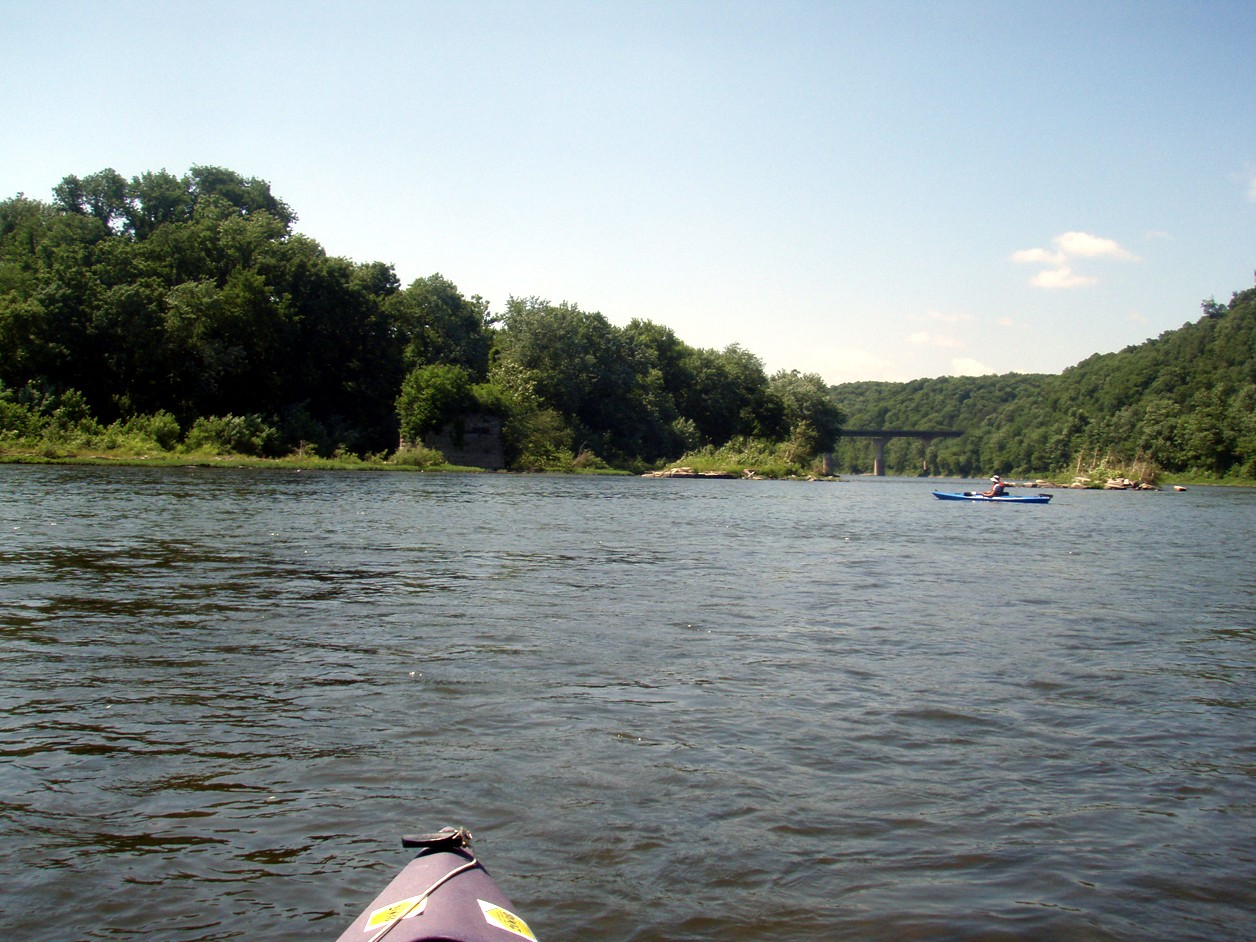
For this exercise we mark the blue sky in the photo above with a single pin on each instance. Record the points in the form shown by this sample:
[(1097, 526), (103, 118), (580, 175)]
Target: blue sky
[(864, 190)]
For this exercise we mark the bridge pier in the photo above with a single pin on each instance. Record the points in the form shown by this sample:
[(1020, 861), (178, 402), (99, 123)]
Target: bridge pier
[(881, 436), (878, 456)]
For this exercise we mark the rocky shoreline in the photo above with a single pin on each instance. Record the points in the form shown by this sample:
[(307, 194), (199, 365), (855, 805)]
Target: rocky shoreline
[(747, 474), (1085, 483), (1079, 483)]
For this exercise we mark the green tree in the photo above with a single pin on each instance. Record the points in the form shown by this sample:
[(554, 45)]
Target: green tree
[(154, 200), (578, 364), (728, 396), (248, 196), (807, 408), (1207, 441), (101, 195), (438, 324), (431, 397), (1160, 435)]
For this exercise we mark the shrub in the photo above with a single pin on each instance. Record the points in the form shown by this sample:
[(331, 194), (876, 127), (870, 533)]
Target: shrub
[(161, 429), (232, 434), (588, 461), (741, 454), (418, 456), (16, 420), (71, 417)]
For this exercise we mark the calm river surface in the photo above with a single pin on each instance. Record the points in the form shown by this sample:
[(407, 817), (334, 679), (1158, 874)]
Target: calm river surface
[(668, 709)]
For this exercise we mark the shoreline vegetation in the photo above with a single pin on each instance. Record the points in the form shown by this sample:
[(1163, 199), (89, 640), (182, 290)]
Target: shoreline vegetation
[(710, 463), (185, 321), (704, 466)]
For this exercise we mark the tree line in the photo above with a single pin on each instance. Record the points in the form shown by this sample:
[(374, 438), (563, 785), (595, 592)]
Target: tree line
[(1184, 402), (187, 311)]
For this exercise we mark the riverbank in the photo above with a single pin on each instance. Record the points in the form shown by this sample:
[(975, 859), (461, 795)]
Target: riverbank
[(398, 461), (61, 454), (205, 460)]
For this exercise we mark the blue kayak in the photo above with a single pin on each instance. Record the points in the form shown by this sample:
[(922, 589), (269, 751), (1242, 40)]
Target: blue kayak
[(442, 894), (1005, 499)]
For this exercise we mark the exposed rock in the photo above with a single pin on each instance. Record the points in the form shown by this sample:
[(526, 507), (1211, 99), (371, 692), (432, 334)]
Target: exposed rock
[(1125, 484), (686, 473)]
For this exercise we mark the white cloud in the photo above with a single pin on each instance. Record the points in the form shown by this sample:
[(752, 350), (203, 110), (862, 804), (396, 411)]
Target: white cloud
[(1251, 188), (953, 318), (846, 365), (964, 366), (1038, 255), (1061, 277), (1085, 245), (924, 338), (1069, 246)]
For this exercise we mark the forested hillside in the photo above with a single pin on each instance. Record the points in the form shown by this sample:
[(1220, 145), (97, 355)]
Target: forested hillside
[(1183, 402), (186, 313)]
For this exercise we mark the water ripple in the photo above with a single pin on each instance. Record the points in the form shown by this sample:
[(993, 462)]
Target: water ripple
[(730, 710)]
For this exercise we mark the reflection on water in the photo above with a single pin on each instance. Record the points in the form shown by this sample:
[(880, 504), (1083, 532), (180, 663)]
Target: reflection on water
[(668, 709)]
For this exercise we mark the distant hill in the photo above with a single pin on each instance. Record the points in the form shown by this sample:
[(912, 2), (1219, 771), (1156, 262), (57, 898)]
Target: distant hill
[(1182, 402)]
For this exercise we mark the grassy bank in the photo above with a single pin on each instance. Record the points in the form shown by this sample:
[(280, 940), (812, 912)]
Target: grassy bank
[(766, 460), (47, 453), (421, 460), (733, 460)]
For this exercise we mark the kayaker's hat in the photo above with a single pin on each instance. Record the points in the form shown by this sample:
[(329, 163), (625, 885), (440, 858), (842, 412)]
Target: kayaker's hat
[(995, 479)]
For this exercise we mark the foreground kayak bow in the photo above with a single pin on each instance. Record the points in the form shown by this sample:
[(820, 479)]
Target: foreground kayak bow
[(443, 894)]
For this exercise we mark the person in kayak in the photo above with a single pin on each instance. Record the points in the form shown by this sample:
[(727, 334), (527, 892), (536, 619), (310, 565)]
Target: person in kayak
[(997, 488)]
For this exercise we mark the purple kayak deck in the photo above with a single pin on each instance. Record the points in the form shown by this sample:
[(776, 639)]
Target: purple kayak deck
[(465, 906)]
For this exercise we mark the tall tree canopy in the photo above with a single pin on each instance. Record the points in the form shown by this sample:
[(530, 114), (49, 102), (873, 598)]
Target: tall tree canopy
[(439, 325), (192, 295)]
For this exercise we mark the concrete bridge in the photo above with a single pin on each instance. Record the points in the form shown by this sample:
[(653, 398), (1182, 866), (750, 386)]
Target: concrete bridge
[(881, 436)]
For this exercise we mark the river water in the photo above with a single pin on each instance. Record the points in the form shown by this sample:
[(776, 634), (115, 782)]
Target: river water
[(667, 709)]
